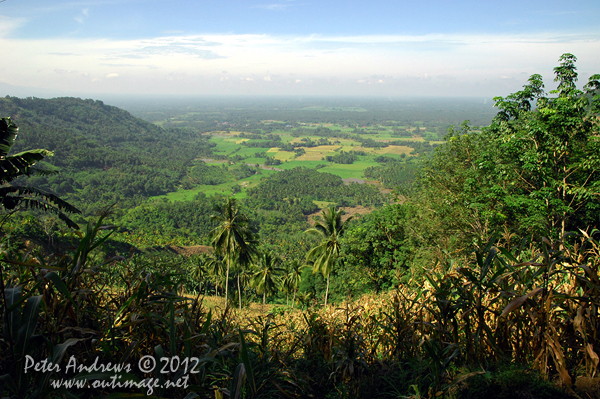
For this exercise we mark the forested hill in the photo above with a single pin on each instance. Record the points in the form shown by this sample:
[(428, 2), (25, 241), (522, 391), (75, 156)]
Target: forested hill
[(104, 153)]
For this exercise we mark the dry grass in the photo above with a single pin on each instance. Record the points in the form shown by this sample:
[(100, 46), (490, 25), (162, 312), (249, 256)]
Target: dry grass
[(317, 153)]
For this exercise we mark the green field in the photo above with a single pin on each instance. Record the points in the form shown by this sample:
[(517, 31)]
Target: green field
[(224, 189), (352, 171), (231, 145)]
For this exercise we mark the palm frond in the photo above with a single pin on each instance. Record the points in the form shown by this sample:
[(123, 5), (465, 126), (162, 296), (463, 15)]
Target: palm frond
[(13, 197)]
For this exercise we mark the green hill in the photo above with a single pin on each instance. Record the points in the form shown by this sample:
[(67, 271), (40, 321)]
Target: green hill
[(105, 155)]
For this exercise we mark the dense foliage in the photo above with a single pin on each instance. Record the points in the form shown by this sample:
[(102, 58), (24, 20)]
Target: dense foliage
[(452, 337), (486, 270), (103, 153), (300, 186), (393, 173)]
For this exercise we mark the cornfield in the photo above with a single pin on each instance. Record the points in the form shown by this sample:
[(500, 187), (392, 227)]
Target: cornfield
[(524, 314)]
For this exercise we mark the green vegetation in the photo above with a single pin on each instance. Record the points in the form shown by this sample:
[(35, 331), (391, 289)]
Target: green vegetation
[(232, 239), (103, 153), (478, 278), (330, 230), (16, 197)]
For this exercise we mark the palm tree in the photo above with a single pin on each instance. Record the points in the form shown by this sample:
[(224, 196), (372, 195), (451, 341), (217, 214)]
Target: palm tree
[(232, 237), (216, 268), (17, 197), (292, 278), (330, 229), (243, 260), (266, 274)]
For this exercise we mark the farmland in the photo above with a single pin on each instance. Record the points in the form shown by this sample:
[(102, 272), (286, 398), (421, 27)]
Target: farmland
[(303, 147)]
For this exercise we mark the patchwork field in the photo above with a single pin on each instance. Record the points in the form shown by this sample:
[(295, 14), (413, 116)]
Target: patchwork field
[(310, 151)]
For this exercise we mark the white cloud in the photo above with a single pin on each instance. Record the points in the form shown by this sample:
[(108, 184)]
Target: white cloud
[(9, 25), (82, 16), (195, 64), (275, 6)]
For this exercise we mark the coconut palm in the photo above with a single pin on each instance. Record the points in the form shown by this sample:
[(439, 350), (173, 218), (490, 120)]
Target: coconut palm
[(330, 229), (243, 260), (14, 197), (216, 269), (232, 238), (266, 275), (292, 278)]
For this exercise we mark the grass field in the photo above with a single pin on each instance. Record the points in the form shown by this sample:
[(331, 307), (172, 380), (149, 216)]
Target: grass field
[(352, 171), (224, 189), (250, 151), (284, 155), (224, 146)]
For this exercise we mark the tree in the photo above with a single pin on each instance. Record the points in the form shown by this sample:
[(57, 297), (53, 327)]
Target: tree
[(292, 279), (216, 268), (267, 274), (15, 197), (534, 172), (330, 229), (376, 247), (244, 257), (232, 238), (549, 149)]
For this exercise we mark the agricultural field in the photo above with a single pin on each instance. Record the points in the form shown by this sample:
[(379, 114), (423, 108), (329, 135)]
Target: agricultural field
[(308, 145)]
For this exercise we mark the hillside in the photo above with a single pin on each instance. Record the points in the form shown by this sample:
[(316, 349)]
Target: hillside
[(104, 154)]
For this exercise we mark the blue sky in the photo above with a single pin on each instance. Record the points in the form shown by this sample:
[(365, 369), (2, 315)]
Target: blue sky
[(290, 47)]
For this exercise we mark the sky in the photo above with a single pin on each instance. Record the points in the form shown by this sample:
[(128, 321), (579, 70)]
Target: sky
[(385, 48)]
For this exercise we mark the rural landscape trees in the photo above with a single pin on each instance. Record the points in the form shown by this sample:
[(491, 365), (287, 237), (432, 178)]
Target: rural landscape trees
[(330, 229), (232, 238), (476, 277)]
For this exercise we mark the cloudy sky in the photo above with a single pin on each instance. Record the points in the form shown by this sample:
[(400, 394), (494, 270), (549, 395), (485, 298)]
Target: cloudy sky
[(290, 47)]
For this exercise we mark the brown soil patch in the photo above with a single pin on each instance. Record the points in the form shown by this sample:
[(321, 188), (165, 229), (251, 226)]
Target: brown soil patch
[(589, 386), (354, 180), (191, 250)]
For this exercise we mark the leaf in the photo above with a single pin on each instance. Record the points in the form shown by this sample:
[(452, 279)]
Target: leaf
[(172, 329), (589, 348), (518, 302), (246, 360), (8, 383), (239, 377), (59, 350), (28, 323), (577, 322), (60, 286), (592, 275), (14, 262), (564, 376), (106, 375), (13, 298)]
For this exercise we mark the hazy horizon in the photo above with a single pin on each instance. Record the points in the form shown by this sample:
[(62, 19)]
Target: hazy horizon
[(92, 48)]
